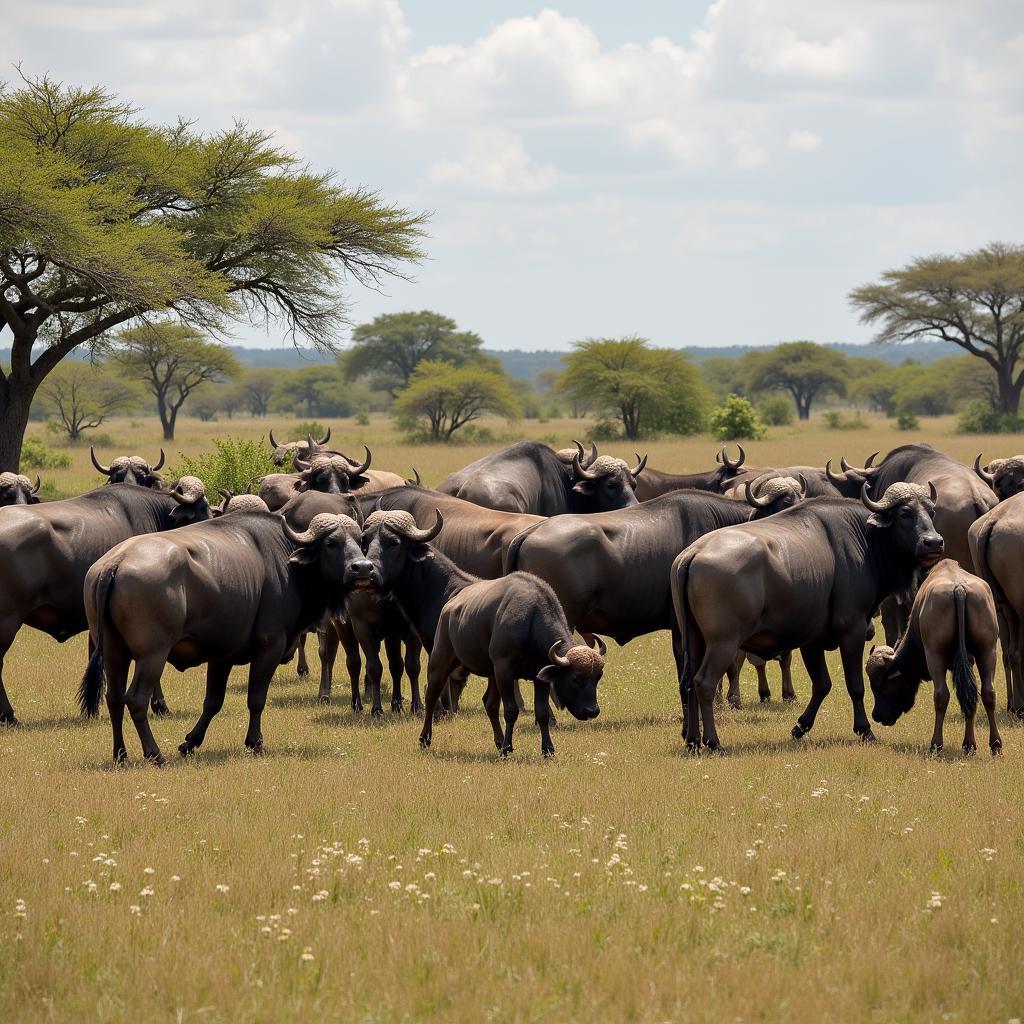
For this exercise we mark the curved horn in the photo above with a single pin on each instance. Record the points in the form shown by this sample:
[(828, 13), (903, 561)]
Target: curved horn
[(299, 463), (253, 479), (640, 463), (579, 471), (326, 437), (874, 506), (865, 471), (160, 464), (870, 459), (310, 444), (182, 499), (753, 499), (803, 484), (833, 476), (599, 645), (719, 454), (579, 448), (593, 454), (364, 467), (416, 473), (934, 494), (39, 483), (429, 534), (555, 658), (273, 442), (225, 494), (96, 462), (296, 538), (730, 464), (983, 473)]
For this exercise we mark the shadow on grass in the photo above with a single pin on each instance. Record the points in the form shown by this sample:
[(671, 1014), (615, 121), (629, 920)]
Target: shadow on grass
[(213, 756)]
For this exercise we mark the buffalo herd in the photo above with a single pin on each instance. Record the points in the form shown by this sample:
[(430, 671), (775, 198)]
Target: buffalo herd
[(514, 568)]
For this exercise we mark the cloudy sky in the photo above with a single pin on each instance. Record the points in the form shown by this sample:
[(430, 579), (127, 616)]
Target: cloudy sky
[(697, 173)]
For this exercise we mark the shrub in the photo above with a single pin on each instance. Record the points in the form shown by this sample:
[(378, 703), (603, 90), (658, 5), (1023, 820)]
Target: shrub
[(230, 465), (837, 421), (776, 411), (35, 455), (735, 419), (362, 418), (314, 427), (907, 421), (980, 417)]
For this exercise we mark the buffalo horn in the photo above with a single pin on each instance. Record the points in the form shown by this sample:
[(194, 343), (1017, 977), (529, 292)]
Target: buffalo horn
[(599, 645), (640, 463), (183, 499), (934, 494), (730, 464), (803, 484), (296, 538), (39, 483), (555, 657), (422, 536), (753, 499), (96, 462), (865, 471), (981, 471), (865, 497), (578, 469), (833, 475), (160, 464), (354, 471), (273, 442), (416, 474), (326, 437)]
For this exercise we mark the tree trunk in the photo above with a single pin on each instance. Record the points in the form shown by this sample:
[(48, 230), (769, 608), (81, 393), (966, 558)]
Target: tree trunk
[(803, 408), (1009, 392), (14, 410), (168, 423)]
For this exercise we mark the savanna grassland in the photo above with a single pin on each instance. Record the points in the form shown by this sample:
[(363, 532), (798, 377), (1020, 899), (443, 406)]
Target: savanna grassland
[(347, 875)]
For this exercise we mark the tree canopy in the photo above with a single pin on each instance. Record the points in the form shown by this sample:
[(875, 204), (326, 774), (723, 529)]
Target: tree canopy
[(81, 396), (389, 348), (804, 369), (644, 388), (974, 300), (448, 397), (106, 218)]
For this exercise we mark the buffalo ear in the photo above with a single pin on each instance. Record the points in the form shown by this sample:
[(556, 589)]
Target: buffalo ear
[(584, 487), (548, 674), (418, 552), (306, 555), (880, 519)]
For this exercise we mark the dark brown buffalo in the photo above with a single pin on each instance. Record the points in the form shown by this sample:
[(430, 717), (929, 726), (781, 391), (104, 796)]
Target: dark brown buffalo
[(655, 483), (131, 469), (306, 447), (531, 477), (1004, 476), (16, 489), (809, 578), (997, 547), (47, 549), (506, 629), (952, 622), (233, 591)]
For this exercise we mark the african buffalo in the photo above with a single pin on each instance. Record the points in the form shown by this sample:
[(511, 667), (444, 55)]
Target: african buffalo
[(655, 483), (237, 590), (1004, 476), (506, 629), (809, 577), (531, 477), (131, 469), (46, 550), (953, 621), (307, 447), (18, 490)]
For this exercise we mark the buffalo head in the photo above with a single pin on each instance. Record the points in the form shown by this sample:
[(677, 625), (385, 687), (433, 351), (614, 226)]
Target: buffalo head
[(308, 446), (16, 489), (606, 484), (907, 510), (574, 676), (894, 694), (239, 503), (391, 539), (131, 469), (1004, 476), (191, 506), (332, 543), (769, 494), (331, 473)]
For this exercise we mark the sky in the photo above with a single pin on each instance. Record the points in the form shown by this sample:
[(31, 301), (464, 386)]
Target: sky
[(695, 173)]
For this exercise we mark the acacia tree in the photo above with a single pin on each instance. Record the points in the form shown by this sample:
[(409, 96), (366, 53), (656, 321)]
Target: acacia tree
[(257, 388), (974, 300), (448, 397), (389, 348), (106, 219), (82, 396), (171, 360), (804, 369)]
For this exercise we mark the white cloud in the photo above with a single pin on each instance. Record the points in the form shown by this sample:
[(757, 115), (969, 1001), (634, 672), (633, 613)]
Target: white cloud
[(495, 161), (803, 140)]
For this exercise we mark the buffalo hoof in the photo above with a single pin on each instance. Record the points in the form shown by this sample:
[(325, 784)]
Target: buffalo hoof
[(357, 706), (416, 707), (550, 752), (256, 746), (934, 749), (799, 731), (764, 698), (376, 712), (715, 746), (867, 736), (120, 755), (302, 671), (156, 759), (996, 748), (970, 748), (323, 698), (186, 748), (693, 746), (10, 720), (735, 703), (424, 741), (397, 705), (160, 708), (506, 751)]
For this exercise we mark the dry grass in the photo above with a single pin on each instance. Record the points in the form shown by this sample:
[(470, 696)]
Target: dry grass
[(365, 880)]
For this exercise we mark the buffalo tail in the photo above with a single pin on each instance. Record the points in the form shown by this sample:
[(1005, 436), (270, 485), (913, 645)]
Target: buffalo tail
[(964, 683), (91, 690)]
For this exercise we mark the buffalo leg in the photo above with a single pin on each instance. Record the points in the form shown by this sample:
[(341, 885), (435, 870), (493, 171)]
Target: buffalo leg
[(8, 631), (217, 673), (718, 657), (851, 652), (440, 665), (158, 704), (786, 665), (374, 674), (821, 684), (764, 692), (393, 651), (116, 664), (987, 671), (520, 703), (302, 668), (261, 671), (353, 659), (1005, 649), (542, 712), (327, 648), (412, 670), (147, 674), (693, 658), (894, 619), (507, 689), (492, 703), (732, 673), (937, 670)]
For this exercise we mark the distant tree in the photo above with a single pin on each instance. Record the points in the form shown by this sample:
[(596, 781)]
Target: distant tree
[(448, 397), (735, 420), (171, 360), (974, 300), (106, 218), (878, 388), (257, 388), (388, 349), (804, 369), (82, 396), (643, 387), (312, 391), (725, 375)]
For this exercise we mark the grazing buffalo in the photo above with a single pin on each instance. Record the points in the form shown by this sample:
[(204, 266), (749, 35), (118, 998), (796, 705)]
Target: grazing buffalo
[(506, 629), (655, 483), (131, 469), (18, 490), (1004, 476), (997, 546), (815, 481), (809, 577), (306, 448), (233, 591), (531, 477), (953, 621), (46, 550)]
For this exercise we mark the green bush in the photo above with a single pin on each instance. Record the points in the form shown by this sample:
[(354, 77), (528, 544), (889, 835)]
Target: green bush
[(230, 465), (314, 427), (776, 411), (907, 421), (837, 421), (362, 418), (980, 417), (734, 420), (35, 455)]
